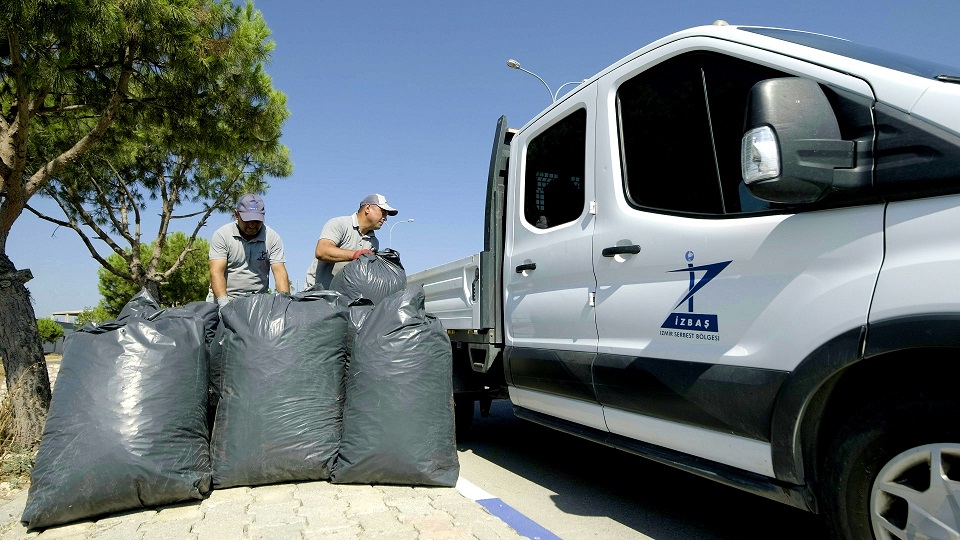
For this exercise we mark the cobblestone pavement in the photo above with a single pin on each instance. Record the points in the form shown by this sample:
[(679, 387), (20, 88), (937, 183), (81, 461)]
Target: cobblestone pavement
[(312, 510)]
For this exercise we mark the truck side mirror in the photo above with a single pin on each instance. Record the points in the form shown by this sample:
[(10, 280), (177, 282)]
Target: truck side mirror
[(792, 143)]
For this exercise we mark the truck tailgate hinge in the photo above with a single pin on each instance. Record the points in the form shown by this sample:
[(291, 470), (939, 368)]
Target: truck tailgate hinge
[(592, 299), (593, 207)]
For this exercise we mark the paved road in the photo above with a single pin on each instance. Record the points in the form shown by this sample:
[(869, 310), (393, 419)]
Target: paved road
[(579, 489)]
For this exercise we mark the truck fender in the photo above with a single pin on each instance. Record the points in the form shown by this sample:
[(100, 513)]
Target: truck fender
[(797, 396)]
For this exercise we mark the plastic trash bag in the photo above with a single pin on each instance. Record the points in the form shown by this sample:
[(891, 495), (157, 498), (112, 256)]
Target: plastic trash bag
[(372, 276), (209, 314), (398, 422), (359, 311), (127, 424), (141, 303), (278, 368)]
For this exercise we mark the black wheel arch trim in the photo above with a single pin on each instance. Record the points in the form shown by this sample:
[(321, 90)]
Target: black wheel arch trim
[(795, 396), (797, 393), (913, 332)]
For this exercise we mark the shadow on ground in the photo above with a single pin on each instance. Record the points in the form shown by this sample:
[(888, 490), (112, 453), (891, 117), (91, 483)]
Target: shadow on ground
[(658, 501)]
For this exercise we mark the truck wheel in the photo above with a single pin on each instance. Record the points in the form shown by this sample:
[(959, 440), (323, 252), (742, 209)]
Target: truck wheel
[(463, 411), (894, 472)]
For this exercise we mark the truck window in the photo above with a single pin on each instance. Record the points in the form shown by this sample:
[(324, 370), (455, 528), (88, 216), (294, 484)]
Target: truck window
[(553, 184), (680, 128)]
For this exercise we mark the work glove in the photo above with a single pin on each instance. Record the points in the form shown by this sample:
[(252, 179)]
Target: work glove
[(359, 252), (222, 301)]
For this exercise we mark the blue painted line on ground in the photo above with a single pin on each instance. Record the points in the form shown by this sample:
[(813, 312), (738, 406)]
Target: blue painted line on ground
[(520, 523), (509, 515)]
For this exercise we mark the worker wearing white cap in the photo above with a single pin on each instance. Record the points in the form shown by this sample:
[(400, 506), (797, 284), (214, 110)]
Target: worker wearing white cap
[(345, 238)]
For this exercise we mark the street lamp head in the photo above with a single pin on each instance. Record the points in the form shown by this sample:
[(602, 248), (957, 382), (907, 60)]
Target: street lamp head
[(511, 63), (408, 220)]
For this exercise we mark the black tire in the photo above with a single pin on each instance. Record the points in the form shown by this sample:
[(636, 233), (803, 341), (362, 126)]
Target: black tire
[(888, 434), (464, 408)]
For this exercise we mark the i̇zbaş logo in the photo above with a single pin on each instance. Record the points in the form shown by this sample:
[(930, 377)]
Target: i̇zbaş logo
[(688, 322)]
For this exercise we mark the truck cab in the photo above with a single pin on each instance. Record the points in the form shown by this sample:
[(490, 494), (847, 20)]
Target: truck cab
[(733, 252)]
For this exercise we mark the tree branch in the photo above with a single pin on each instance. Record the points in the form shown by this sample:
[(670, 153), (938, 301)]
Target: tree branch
[(68, 108), (43, 175), (182, 257), (45, 217), (193, 214), (11, 206), (128, 196), (221, 199), (165, 211), (72, 224), (101, 199), (87, 220)]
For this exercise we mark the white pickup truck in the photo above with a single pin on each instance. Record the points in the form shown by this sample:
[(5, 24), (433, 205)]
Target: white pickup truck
[(734, 251)]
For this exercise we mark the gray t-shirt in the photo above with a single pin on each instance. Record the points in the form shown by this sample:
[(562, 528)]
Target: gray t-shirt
[(344, 231), (248, 261)]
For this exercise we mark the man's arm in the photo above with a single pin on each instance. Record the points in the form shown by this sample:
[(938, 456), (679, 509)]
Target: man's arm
[(327, 251), (218, 277), (280, 278)]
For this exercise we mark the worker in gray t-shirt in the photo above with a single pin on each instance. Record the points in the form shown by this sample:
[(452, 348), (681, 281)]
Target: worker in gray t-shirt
[(345, 238), (242, 254)]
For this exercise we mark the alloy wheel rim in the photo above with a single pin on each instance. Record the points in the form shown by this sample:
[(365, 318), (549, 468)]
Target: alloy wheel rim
[(917, 494)]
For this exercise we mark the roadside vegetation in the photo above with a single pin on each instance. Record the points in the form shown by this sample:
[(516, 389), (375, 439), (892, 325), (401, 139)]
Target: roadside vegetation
[(115, 111), (16, 458)]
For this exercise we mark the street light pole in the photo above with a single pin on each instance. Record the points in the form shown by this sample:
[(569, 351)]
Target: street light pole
[(409, 220), (511, 63), (555, 96)]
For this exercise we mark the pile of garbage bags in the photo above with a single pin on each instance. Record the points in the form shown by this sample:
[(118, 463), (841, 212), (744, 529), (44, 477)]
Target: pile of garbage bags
[(163, 405)]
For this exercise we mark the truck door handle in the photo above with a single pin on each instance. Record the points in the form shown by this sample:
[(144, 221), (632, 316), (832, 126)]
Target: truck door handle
[(527, 266), (617, 250)]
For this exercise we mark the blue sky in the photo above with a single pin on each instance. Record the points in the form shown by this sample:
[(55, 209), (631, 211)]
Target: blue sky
[(402, 98)]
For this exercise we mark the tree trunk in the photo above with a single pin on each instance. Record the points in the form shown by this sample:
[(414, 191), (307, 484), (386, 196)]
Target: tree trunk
[(28, 384), (153, 287)]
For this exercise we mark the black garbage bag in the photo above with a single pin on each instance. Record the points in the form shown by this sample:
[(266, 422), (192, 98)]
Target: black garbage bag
[(398, 423), (359, 311), (278, 369), (142, 302), (209, 314), (127, 424), (371, 276)]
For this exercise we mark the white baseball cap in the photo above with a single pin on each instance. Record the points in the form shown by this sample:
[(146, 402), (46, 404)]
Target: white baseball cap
[(380, 201)]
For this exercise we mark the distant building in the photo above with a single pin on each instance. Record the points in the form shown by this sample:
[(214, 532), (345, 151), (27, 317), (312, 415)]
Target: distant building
[(66, 319), (66, 316)]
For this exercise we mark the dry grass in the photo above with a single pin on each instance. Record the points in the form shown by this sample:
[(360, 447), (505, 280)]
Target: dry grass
[(16, 460)]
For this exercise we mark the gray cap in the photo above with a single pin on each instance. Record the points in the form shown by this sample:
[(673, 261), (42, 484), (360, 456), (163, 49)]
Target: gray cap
[(250, 207), (380, 201)]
